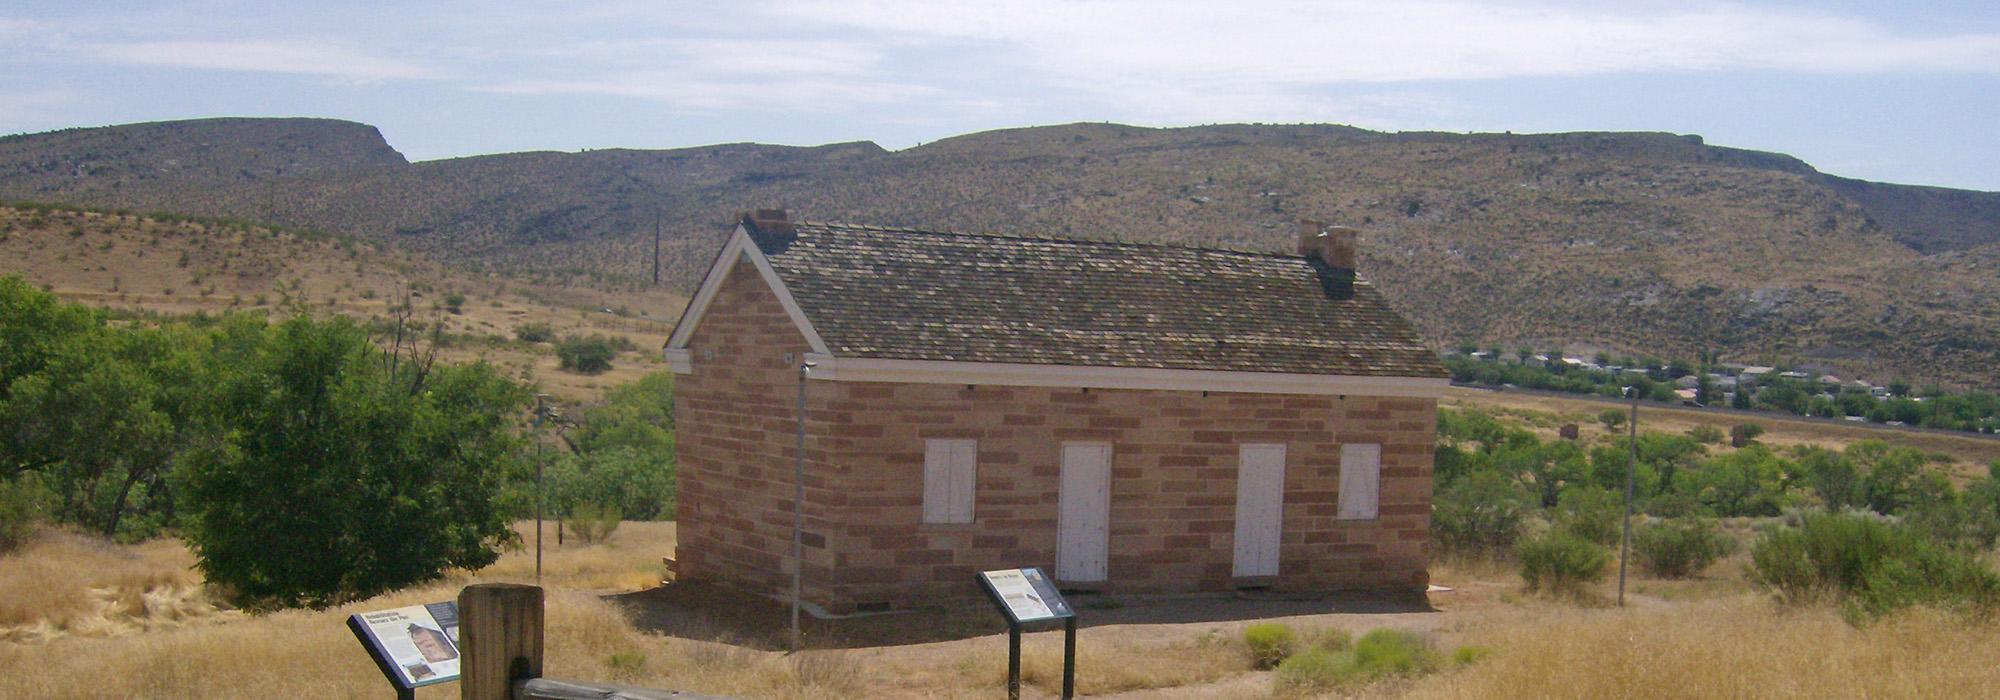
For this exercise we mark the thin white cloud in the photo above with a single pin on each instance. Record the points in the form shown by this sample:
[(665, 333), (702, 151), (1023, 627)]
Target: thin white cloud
[(1339, 42), (681, 91), (35, 106), (755, 57), (266, 56)]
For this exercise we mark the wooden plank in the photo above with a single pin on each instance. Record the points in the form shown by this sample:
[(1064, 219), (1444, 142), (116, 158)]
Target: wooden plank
[(500, 636), (549, 689)]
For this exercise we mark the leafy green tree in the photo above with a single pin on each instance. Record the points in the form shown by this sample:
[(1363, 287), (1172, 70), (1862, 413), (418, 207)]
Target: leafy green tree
[(1747, 482), (1479, 514), (1831, 477), (1704, 391), (33, 324), (623, 453), (105, 419), (1982, 506), (348, 470), (585, 355), (1890, 475), (22, 500), (1742, 399), (99, 414)]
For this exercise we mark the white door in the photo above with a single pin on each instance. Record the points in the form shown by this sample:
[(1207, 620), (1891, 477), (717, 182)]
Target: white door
[(1260, 502), (1083, 520)]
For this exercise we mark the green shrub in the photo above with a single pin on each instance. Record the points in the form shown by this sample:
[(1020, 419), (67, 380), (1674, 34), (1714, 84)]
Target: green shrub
[(1591, 513), (1270, 643), (1705, 434), (1394, 652), (1378, 654), (1315, 668), (1612, 418), (1871, 567), (590, 355), (535, 332), (594, 522), (1680, 548), (1480, 513), (1559, 562), (1744, 433), (454, 302)]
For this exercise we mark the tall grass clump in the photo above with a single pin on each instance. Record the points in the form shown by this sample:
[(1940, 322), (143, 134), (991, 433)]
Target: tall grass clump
[(1269, 643), (1561, 563), (1870, 567), (1680, 548), (594, 522), (1378, 654)]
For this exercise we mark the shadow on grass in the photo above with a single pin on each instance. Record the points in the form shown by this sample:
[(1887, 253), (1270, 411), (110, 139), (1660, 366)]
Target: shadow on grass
[(710, 612)]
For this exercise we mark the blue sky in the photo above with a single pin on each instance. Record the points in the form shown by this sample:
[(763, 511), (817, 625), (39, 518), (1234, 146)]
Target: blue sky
[(1901, 92)]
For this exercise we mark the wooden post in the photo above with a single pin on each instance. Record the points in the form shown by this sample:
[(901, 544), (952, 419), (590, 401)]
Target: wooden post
[(500, 635)]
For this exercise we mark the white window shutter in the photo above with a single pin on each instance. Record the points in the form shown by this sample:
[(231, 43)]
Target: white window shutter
[(949, 472), (1360, 481), (964, 479), (937, 480)]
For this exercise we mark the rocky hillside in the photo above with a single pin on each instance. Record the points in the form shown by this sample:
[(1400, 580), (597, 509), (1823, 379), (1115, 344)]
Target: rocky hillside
[(1637, 242)]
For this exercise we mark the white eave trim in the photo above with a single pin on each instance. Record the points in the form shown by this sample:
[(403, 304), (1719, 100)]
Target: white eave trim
[(739, 247), (851, 369), (680, 360)]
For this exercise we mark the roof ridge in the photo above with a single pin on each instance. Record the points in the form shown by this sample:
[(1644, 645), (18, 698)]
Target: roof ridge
[(1051, 238)]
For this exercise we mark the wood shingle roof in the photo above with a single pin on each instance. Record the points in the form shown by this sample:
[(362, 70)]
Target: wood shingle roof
[(875, 292)]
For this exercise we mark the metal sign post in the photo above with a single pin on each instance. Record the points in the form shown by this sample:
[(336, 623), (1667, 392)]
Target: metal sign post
[(1026, 596)]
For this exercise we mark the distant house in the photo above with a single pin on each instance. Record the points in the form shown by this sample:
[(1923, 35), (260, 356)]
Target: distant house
[(1134, 418)]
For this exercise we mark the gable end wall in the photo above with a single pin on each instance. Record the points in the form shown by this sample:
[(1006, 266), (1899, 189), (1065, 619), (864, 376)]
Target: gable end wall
[(735, 425)]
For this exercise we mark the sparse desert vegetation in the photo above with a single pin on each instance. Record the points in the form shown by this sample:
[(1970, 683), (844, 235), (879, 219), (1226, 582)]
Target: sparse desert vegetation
[(126, 264), (1710, 630)]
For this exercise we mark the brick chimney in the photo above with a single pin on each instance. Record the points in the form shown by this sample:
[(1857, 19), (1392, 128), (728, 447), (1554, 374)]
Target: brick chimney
[(1331, 251), (771, 228)]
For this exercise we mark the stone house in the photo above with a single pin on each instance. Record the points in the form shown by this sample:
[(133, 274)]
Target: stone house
[(1131, 417)]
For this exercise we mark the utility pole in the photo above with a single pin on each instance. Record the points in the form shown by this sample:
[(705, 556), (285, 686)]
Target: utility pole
[(541, 415), (1631, 468), (798, 503)]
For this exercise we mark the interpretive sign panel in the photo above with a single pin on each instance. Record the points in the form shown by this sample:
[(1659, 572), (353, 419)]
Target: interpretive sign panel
[(415, 646), (1025, 594)]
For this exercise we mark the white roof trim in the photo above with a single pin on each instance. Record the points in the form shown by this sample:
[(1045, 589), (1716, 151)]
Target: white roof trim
[(856, 369), (740, 247), (680, 360)]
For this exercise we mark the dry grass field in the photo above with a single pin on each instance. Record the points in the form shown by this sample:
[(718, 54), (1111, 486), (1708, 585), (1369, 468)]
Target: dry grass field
[(133, 263), (1709, 637)]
